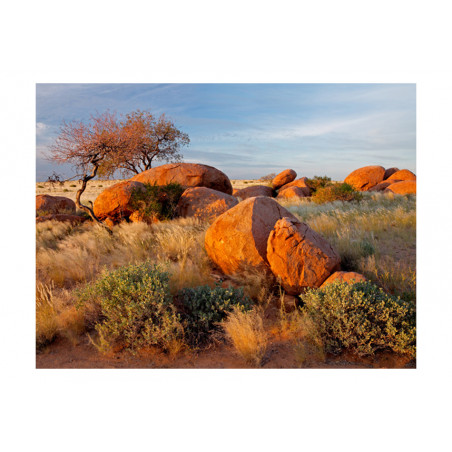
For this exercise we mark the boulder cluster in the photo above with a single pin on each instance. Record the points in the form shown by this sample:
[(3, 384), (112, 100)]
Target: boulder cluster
[(249, 228), (376, 178)]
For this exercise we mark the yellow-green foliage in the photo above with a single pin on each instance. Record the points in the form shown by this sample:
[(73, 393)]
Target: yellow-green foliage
[(136, 309), (361, 318)]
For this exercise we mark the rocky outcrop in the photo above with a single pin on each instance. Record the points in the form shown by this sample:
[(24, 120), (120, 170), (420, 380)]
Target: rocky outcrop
[(283, 178), (237, 239), (300, 183), (407, 187), (253, 191), (46, 204), (381, 186), (344, 277), (204, 203), (188, 175), (402, 175), (298, 256), (116, 202), (364, 178), (292, 193), (389, 172)]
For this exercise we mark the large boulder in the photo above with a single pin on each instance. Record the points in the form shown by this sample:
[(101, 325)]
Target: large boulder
[(344, 277), (291, 193), (402, 175), (381, 186), (283, 178), (46, 204), (299, 257), (237, 239), (254, 190), (300, 183), (188, 175), (389, 172), (366, 177), (406, 187), (204, 203), (116, 202)]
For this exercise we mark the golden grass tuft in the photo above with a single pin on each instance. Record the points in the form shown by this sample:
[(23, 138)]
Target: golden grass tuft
[(245, 330)]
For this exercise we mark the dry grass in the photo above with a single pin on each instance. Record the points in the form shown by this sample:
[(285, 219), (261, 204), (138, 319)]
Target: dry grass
[(376, 236), (79, 256), (245, 330), (56, 315)]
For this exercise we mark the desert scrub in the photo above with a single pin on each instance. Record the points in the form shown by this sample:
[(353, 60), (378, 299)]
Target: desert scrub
[(318, 182), (361, 318), (157, 201), (336, 192), (245, 330), (204, 307), (135, 309)]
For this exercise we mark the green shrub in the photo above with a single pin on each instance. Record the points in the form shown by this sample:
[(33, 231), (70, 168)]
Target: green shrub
[(360, 317), (40, 186), (203, 307), (336, 192), (318, 182), (73, 185), (157, 201), (135, 309)]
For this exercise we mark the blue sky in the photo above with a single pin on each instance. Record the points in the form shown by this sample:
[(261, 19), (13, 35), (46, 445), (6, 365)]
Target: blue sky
[(249, 130)]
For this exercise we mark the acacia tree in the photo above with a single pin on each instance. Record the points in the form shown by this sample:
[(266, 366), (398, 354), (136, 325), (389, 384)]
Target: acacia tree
[(147, 138), (88, 146)]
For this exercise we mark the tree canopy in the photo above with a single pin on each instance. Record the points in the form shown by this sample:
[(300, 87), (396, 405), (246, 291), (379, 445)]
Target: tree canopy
[(108, 143)]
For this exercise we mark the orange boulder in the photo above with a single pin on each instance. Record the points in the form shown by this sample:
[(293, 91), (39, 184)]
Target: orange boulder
[(283, 178), (204, 203), (344, 277), (116, 202), (188, 175), (402, 175), (237, 239), (366, 177), (406, 187), (254, 190), (300, 183), (381, 186), (54, 204), (299, 257), (291, 192), (389, 172)]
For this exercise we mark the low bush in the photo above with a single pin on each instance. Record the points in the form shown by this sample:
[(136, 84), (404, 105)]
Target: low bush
[(245, 330), (268, 177), (336, 192), (204, 307), (135, 309), (157, 201), (318, 182), (361, 318)]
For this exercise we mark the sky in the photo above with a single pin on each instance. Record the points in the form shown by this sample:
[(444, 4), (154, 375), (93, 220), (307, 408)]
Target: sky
[(250, 130)]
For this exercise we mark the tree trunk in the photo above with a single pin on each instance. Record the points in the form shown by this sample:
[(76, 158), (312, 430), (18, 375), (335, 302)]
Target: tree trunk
[(87, 209)]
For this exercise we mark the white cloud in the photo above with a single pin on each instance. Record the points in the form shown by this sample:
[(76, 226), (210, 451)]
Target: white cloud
[(41, 128)]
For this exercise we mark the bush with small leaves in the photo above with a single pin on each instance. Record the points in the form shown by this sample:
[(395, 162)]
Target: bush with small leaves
[(361, 318), (157, 201), (318, 182), (336, 192), (135, 309), (203, 307)]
